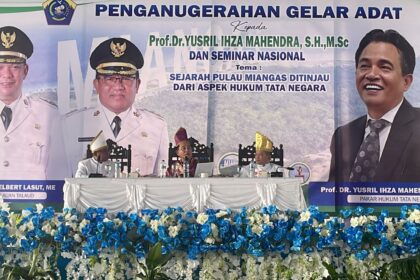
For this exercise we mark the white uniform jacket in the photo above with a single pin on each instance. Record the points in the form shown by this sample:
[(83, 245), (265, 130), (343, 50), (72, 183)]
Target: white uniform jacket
[(146, 132), (261, 169), (32, 148), (91, 165)]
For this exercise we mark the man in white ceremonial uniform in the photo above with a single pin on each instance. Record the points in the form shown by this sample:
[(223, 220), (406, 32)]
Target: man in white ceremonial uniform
[(263, 166), (30, 132), (99, 163), (117, 81)]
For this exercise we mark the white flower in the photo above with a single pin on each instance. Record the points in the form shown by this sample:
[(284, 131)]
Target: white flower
[(257, 229), (39, 207), (354, 221), (363, 220), (209, 240), (72, 225), (77, 238), (414, 216), (266, 219), (221, 214), (47, 228), (98, 268), (82, 224), (214, 230), (173, 231), (372, 218), (22, 228), (202, 218), (388, 220), (282, 217), (47, 253), (304, 216), (4, 205), (324, 232), (154, 224), (25, 213), (358, 221), (68, 255), (326, 260)]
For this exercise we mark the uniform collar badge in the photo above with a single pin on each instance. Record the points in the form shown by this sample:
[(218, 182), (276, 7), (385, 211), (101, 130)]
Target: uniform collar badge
[(96, 113), (144, 133), (26, 102), (136, 113), (37, 126)]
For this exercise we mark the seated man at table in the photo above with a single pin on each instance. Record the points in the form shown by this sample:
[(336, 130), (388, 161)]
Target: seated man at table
[(184, 152), (262, 166), (99, 164)]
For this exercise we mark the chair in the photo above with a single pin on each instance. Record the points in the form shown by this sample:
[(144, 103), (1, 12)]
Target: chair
[(86, 139), (119, 153), (247, 153), (201, 152), (115, 152)]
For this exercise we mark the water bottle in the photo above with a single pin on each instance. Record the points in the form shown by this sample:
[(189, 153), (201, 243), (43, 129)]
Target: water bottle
[(252, 169), (173, 170), (117, 167), (186, 168), (162, 169)]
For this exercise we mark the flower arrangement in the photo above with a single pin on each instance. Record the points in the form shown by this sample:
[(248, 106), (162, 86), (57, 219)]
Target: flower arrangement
[(215, 244)]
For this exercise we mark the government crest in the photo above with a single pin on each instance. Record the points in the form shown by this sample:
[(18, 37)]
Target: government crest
[(59, 12), (7, 39), (117, 49)]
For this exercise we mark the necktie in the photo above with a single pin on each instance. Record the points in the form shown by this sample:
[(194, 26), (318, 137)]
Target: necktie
[(6, 116), (116, 126), (367, 159)]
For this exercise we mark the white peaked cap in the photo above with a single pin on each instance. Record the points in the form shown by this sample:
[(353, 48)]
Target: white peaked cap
[(98, 143)]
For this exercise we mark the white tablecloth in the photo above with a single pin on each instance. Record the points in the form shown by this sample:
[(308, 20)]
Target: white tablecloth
[(190, 193)]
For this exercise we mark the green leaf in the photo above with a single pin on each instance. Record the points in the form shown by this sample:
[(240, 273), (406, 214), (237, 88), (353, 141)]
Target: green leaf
[(161, 276), (154, 263), (155, 253), (407, 268)]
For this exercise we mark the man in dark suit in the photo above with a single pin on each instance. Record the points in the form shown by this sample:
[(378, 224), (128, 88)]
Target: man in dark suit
[(385, 63)]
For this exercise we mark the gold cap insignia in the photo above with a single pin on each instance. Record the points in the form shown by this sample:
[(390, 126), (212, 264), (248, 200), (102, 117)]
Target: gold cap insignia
[(144, 133), (262, 143), (117, 49), (7, 40), (96, 113)]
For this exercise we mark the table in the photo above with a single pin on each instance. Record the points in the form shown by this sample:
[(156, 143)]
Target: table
[(189, 193)]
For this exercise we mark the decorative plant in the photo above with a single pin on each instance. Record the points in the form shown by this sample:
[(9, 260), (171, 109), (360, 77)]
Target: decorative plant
[(154, 261)]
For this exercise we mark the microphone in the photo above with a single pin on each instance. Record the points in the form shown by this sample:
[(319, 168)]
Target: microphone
[(97, 164), (96, 175)]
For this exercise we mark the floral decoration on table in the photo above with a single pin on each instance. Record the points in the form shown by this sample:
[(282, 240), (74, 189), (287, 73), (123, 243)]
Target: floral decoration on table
[(216, 244)]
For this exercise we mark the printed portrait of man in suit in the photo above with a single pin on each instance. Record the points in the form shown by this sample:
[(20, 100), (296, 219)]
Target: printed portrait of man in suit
[(384, 144)]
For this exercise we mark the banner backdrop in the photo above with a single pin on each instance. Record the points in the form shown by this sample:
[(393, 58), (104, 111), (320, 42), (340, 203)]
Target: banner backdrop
[(221, 70)]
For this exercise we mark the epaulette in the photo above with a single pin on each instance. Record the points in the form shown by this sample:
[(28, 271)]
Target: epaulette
[(37, 99), (76, 111), (151, 112), (49, 102)]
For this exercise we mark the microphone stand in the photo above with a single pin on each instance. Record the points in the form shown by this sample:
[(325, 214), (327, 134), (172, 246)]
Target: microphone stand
[(97, 175)]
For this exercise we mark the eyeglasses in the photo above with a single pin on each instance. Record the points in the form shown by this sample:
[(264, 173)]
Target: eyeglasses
[(111, 80)]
